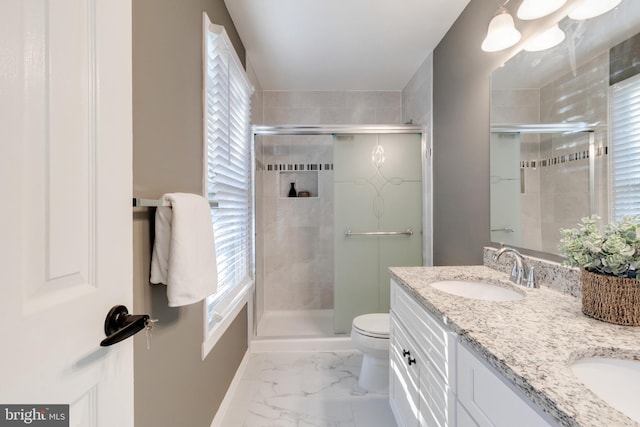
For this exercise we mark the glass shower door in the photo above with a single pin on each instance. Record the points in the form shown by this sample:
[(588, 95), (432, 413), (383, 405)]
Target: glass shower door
[(506, 188), (377, 219)]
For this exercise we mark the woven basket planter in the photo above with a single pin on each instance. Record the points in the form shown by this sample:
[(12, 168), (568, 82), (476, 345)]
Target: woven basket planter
[(611, 299)]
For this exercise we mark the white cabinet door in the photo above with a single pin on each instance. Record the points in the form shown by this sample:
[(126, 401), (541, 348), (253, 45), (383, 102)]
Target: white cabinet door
[(65, 225), (404, 378), (417, 336), (488, 399), (437, 401), (463, 419)]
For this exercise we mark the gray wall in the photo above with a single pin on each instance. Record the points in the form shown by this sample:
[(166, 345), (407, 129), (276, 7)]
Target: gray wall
[(461, 94), (173, 385)]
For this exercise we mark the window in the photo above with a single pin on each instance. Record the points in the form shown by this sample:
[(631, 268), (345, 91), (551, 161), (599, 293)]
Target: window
[(625, 148), (227, 94)]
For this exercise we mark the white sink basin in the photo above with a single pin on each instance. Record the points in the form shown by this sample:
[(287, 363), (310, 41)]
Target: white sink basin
[(616, 381), (477, 290)]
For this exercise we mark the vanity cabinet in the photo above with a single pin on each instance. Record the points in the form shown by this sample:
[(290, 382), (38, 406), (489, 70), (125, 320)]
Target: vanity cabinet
[(435, 380), (422, 365)]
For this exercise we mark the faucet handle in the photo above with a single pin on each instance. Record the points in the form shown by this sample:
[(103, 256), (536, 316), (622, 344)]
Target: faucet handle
[(514, 273), (531, 279)]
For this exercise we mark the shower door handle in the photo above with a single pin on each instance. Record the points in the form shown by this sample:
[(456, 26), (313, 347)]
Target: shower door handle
[(407, 232)]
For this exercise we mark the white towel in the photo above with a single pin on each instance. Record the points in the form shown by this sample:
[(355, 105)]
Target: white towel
[(184, 256)]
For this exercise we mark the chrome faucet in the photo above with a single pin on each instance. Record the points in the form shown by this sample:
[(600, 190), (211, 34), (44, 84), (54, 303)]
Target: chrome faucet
[(520, 268)]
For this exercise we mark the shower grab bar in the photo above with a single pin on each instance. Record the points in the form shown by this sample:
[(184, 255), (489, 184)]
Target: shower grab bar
[(507, 229), (154, 203), (408, 232)]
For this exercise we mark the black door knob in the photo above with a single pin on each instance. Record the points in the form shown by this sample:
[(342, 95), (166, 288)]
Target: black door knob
[(120, 325)]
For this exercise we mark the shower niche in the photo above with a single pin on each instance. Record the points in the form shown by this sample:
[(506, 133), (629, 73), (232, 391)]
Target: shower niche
[(305, 183)]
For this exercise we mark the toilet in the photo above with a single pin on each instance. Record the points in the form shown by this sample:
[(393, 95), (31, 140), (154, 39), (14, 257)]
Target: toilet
[(370, 335)]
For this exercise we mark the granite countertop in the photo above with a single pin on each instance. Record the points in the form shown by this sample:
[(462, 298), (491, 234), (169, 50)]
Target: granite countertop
[(531, 341)]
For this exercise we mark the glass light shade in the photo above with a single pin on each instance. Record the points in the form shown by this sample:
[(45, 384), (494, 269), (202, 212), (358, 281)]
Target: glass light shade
[(548, 39), (586, 9), (501, 34), (534, 9)]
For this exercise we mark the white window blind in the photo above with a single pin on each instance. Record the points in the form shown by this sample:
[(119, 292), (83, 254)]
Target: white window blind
[(227, 94), (625, 147)]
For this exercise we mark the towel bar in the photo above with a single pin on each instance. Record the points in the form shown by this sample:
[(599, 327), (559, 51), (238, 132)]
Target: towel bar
[(154, 203), (408, 232), (506, 229)]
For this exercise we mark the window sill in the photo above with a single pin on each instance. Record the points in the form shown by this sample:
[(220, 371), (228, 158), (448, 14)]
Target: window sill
[(231, 313)]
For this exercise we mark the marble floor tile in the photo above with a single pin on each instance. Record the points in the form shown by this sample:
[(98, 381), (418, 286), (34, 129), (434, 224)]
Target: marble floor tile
[(305, 389)]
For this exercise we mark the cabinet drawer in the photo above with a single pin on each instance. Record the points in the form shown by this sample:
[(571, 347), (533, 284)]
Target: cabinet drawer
[(433, 339), (489, 400)]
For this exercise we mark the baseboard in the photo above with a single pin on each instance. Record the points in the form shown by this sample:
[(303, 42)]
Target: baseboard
[(226, 401), (301, 344)]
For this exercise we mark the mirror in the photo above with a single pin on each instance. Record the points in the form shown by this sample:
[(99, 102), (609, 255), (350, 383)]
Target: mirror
[(553, 117)]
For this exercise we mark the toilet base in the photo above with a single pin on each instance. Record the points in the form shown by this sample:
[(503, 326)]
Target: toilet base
[(374, 374)]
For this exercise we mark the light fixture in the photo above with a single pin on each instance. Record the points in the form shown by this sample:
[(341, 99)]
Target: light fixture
[(502, 32), (586, 9), (545, 40), (534, 9)]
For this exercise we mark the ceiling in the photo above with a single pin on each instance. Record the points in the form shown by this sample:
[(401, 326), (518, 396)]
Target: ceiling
[(330, 45)]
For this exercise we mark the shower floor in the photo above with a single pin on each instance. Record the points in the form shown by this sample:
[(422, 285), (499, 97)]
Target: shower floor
[(303, 323)]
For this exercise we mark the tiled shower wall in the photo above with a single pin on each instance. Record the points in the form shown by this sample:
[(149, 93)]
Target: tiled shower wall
[(295, 236), (556, 190), (297, 232)]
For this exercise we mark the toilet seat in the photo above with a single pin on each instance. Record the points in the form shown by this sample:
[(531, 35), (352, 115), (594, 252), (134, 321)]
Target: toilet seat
[(374, 325)]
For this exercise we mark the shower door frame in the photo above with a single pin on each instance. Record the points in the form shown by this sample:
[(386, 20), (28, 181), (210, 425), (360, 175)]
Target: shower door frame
[(427, 179)]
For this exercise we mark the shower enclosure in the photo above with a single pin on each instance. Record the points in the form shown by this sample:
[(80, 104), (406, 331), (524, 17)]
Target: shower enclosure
[(335, 206), (545, 177)]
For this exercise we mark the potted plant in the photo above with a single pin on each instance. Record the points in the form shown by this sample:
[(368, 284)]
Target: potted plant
[(609, 259)]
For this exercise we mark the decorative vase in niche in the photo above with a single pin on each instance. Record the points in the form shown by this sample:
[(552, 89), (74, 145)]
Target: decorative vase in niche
[(292, 190)]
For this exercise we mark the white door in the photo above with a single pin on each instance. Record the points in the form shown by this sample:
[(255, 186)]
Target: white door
[(65, 218)]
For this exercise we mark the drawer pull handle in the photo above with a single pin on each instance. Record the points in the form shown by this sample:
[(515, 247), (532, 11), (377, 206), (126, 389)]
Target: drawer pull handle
[(405, 353), (411, 361)]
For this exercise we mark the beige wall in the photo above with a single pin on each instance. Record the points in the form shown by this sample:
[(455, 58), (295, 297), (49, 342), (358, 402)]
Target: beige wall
[(173, 385), (461, 94)]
